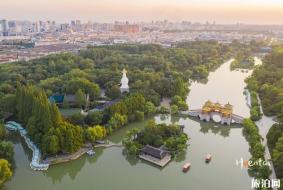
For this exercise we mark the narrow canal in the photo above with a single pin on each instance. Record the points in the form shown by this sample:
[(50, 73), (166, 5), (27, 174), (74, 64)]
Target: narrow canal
[(111, 169)]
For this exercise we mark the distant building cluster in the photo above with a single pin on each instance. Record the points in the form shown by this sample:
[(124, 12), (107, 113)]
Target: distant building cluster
[(24, 40), (127, 28)]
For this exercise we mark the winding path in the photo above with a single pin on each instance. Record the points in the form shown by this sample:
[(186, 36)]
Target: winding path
[(264, 125)]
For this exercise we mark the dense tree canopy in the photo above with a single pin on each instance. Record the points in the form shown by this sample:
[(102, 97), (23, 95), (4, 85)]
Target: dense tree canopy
[(267, 81), (44, 122), (95, 133), (257, 150), (6, 155), (6, 151), (153, 70), (2, 131), (171, 136)]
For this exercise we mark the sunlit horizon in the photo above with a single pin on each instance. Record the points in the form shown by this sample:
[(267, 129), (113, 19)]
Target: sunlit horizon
[(220, 11)]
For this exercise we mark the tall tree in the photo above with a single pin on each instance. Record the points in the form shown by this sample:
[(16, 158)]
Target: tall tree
[(80, 98)]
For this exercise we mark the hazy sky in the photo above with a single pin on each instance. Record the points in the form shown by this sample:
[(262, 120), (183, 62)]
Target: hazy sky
[(221, 11)]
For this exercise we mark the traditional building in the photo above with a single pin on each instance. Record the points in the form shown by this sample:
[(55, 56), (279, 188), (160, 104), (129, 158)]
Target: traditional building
[(59, 99), (124, 82), (157, 156), (210, 109)]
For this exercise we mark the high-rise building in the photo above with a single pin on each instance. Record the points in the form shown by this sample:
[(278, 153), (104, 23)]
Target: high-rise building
[(64, 27), (36, 26), (4, 27), (14, 27), (78, 22), (73, 23)]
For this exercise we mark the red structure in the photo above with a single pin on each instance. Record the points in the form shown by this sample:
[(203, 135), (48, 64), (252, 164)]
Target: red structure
[(127, 28)]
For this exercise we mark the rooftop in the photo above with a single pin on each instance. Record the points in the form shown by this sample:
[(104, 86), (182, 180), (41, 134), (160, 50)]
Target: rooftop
[(226, 109), (155, 152)]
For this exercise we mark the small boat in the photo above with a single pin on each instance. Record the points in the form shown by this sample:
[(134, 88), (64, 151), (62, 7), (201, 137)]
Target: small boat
[(208, 158), (90, 153), (100, 142), (186, 167)]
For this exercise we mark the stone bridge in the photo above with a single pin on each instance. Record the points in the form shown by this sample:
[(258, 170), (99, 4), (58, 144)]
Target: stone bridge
[(208, 116)]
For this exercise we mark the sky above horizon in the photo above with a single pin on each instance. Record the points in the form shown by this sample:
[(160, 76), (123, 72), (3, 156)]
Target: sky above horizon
[(221, 11)]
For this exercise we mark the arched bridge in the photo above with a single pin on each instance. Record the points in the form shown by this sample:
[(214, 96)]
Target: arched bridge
[(209, 110), (207, 117)]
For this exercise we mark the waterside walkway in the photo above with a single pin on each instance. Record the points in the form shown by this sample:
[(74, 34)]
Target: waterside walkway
[(66, 157), (69, 157), (36, 154), (108, 145), (36, 163)]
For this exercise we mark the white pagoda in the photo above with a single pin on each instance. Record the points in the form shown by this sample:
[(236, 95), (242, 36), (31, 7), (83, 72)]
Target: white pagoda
[(124, 82)]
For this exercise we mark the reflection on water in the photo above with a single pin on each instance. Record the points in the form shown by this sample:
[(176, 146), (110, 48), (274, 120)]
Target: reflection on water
[(111, 169), (223, 86)]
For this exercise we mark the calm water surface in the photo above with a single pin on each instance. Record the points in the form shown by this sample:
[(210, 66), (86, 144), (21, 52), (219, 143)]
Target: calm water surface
[(110, 169)]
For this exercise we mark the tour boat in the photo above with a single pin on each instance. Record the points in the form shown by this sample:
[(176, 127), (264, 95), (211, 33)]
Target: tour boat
[(90, 153), (208, 158), (186, 167)]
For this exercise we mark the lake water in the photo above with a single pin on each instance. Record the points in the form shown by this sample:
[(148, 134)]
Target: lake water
[(110, 169)]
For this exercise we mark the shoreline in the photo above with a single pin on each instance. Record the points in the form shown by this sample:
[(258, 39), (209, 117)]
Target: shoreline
[(66, 157), (53, 160), (39, 164)]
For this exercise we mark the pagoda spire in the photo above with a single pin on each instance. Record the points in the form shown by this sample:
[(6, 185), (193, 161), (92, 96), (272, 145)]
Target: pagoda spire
[(124, 82)]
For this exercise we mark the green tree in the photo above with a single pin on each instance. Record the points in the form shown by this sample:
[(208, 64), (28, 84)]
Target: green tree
[(183, 106), (6, 151), (45, 124), (73, 139), (2, 131), (90, 134), (174, 109), (133, 150), (139, 115), (5, 171), (180, 87), (80, 98), (273, 135), (78, 119), (277, 156), (8, 103), (176, 99), (95, 133), (150, 108), (50, 144), (114, 92), (94, 118), (118, 121), (65, 104)]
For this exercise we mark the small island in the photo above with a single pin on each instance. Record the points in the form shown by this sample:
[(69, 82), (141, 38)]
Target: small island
[(156, 143), (243, 62)]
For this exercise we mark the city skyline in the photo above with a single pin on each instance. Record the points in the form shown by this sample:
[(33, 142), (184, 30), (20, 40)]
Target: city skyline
[(220, 11)]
